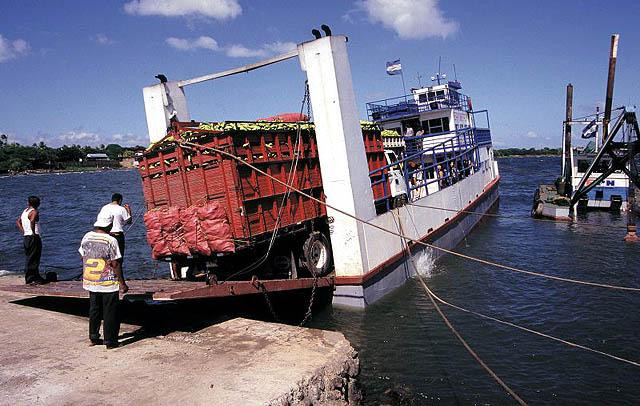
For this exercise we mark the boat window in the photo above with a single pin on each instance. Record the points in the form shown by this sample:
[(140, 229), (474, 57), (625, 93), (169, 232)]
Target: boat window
[(603, 166), (440, 94), (422, 97), (436, 125), (445, 123), (583, 165), (599, 194)]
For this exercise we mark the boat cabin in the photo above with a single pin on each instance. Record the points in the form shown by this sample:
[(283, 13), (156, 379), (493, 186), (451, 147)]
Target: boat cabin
[(433, 133)]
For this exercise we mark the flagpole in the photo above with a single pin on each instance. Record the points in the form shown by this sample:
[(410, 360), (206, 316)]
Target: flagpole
[(404, 89)]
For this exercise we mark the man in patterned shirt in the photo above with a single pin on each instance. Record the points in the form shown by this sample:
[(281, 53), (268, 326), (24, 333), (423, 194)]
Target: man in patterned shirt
[(102, 277)]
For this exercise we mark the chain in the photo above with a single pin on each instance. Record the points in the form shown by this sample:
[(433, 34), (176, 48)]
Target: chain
[(307, 97), (262, 289), (307, 315)]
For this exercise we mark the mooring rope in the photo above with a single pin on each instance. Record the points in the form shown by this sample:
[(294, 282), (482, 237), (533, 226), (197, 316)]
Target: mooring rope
[(455, 253), (470, 350), (519, 327), (139, 212), (290, 178)]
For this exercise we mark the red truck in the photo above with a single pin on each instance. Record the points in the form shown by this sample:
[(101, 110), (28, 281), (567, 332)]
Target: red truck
[(213, 217)]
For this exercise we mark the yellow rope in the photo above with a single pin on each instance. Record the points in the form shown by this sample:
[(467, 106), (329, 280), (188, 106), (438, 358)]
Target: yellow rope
[(455, 253), (538, 333), (470, 350), (434, 297)]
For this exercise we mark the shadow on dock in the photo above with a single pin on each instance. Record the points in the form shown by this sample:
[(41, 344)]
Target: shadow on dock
[(153, 318)]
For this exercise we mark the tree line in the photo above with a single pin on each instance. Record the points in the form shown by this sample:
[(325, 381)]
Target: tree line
[(15, 157), (527, 151)]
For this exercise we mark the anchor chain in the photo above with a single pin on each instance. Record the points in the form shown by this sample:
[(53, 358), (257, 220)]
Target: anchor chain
[(307, 315), (255, 282)]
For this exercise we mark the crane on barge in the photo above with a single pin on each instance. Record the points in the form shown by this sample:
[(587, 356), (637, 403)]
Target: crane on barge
[(604, 177)]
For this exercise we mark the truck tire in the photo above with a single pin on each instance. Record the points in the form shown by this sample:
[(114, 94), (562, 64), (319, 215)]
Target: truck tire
[(316, 252)]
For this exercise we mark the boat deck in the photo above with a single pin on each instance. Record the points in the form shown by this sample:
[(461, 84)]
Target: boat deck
[(165, 289)]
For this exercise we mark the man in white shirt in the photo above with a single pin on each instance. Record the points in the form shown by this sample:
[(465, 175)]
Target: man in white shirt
[(102, 277), (121, 215), (28, 225)]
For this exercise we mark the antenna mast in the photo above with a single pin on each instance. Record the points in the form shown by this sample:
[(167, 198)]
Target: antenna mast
[(439, 76)]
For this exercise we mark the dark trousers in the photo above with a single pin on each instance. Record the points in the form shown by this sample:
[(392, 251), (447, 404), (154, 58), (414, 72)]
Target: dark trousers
[(120, 238), (104, 307), (33, 252)]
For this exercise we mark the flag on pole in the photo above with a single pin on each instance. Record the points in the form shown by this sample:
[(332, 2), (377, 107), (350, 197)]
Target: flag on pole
[(394, 68), (590, 130)]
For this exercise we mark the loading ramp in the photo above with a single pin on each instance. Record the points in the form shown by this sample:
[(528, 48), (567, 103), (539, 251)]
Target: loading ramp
[(167, 290)]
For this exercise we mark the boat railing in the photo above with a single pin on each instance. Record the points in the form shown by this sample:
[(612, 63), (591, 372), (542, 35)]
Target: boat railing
[(429, 170), (407, 105)]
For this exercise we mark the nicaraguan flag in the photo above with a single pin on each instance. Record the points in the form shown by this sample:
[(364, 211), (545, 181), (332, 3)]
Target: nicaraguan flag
[(394, 68), (590, 130)]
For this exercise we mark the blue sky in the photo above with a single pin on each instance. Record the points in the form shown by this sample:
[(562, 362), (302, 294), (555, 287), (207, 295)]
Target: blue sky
[(73, 71)]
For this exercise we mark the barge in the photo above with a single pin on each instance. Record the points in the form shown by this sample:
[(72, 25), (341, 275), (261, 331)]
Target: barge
[(601, 175)]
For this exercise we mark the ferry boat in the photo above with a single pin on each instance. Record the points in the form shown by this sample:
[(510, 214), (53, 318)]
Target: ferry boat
[(451, 177), (438, 179)]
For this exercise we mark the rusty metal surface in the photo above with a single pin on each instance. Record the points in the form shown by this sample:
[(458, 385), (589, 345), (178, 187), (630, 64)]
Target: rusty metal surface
[(242, 288), (164, 289)]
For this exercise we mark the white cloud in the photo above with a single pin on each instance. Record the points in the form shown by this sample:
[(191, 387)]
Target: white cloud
[(240, 51), (12, 49), (79, 137), (185, 44), (217, 9), (531, 135), (280, 47), (233, 51), (102, 39), (410, 19), (127, 140)]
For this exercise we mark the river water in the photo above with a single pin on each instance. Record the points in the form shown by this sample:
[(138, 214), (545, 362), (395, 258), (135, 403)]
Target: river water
[(407, 353)]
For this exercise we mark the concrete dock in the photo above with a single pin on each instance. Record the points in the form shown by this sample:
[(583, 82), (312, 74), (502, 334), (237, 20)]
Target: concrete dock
[(45, 359)]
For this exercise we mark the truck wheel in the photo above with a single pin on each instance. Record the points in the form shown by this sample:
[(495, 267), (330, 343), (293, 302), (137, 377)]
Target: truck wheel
[(317, 254)]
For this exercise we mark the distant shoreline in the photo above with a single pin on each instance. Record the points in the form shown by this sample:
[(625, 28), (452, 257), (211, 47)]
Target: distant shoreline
[(528, 156), (61, 171)]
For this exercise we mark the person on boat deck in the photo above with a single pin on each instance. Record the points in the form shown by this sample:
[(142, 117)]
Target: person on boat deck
[(453, 173), (441, 177), (409, 132), (121, 216), (28, 224), (102, 277), (416, 181), (467, 167)]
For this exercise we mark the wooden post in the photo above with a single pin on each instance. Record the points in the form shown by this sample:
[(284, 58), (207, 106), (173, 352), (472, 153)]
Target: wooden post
[(632, 200), (567, 139), (613, 56)]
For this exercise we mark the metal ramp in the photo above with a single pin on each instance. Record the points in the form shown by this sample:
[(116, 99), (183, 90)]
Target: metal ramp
[(165, 289)]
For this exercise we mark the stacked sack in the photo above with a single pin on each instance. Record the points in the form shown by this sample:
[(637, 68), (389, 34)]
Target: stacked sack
[(199, 229)]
